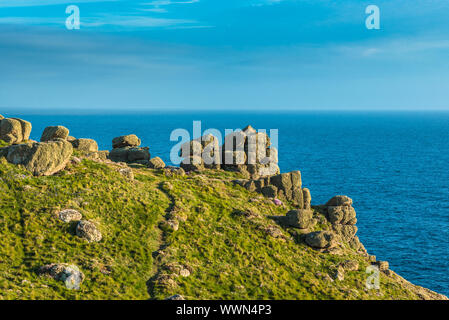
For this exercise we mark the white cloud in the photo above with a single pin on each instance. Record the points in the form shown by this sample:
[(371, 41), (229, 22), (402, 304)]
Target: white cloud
[(111, 20), (35, 3)]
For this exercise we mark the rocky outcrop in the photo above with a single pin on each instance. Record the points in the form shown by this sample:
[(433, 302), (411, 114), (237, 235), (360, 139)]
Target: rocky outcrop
[(249, 152), (42, 159), (54, 132), (125, 149), (14, 130), (156, 163), (88, 231), (201, 153), (284, 186), (82, 144), (342, 216), (67, 273)]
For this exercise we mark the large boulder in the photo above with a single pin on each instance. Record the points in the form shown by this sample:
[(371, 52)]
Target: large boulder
[(42, 159), (67, 273), (88, 145), (129, 154), (130, 140), (14, 130), (54, 132), (341, 215), (299, 218), (321, 239), (339, 201), (88, 231)]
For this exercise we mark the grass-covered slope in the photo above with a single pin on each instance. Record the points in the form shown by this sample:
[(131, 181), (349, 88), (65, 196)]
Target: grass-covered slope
[(227, 246)]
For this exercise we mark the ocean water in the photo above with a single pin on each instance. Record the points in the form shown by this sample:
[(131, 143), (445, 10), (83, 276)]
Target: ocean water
[(395, 166)]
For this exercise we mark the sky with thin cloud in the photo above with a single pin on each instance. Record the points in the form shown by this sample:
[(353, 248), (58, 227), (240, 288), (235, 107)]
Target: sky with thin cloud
[(233, 54)]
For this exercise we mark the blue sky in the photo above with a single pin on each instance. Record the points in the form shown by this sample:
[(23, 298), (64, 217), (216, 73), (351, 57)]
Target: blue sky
[(229, 54)]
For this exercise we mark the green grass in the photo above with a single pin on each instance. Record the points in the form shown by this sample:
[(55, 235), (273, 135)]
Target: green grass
[(228, 255)]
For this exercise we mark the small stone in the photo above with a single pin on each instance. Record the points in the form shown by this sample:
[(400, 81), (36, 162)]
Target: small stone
[(184, 273), (87, 230), (383, 265), (127, 173), (350, 265), (69, 215), (67, 273), (156, 163)]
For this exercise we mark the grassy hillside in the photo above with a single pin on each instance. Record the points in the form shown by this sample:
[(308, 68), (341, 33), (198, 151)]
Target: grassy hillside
[(226, 246)]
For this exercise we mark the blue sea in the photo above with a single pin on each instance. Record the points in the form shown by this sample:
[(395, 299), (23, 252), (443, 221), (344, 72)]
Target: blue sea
[(394, 165)]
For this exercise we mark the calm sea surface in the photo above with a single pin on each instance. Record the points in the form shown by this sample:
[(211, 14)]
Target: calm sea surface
[(394, 165)]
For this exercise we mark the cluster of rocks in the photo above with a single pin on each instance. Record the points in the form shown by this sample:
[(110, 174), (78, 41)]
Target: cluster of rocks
[(126, 149), (46, 157), (249, 152), (201, 153), (342, 217), (284, 186), (14, 130), (246, 151), (40, 158), (70, 274), (84, 229)]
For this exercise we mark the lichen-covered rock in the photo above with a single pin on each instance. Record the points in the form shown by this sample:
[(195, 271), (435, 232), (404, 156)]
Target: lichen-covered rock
[(341, 215), (68, 273), (307, 197), (88, 231), (129, 154), (127, 173), (14, 130), (339, 201), (269, 191), (42, 159), (69, 215), (54, 132), (347, 232), (321, 239), (130, 140), (174, 171), (156, 163), (88, 145), (350, 265), (299, 218)]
